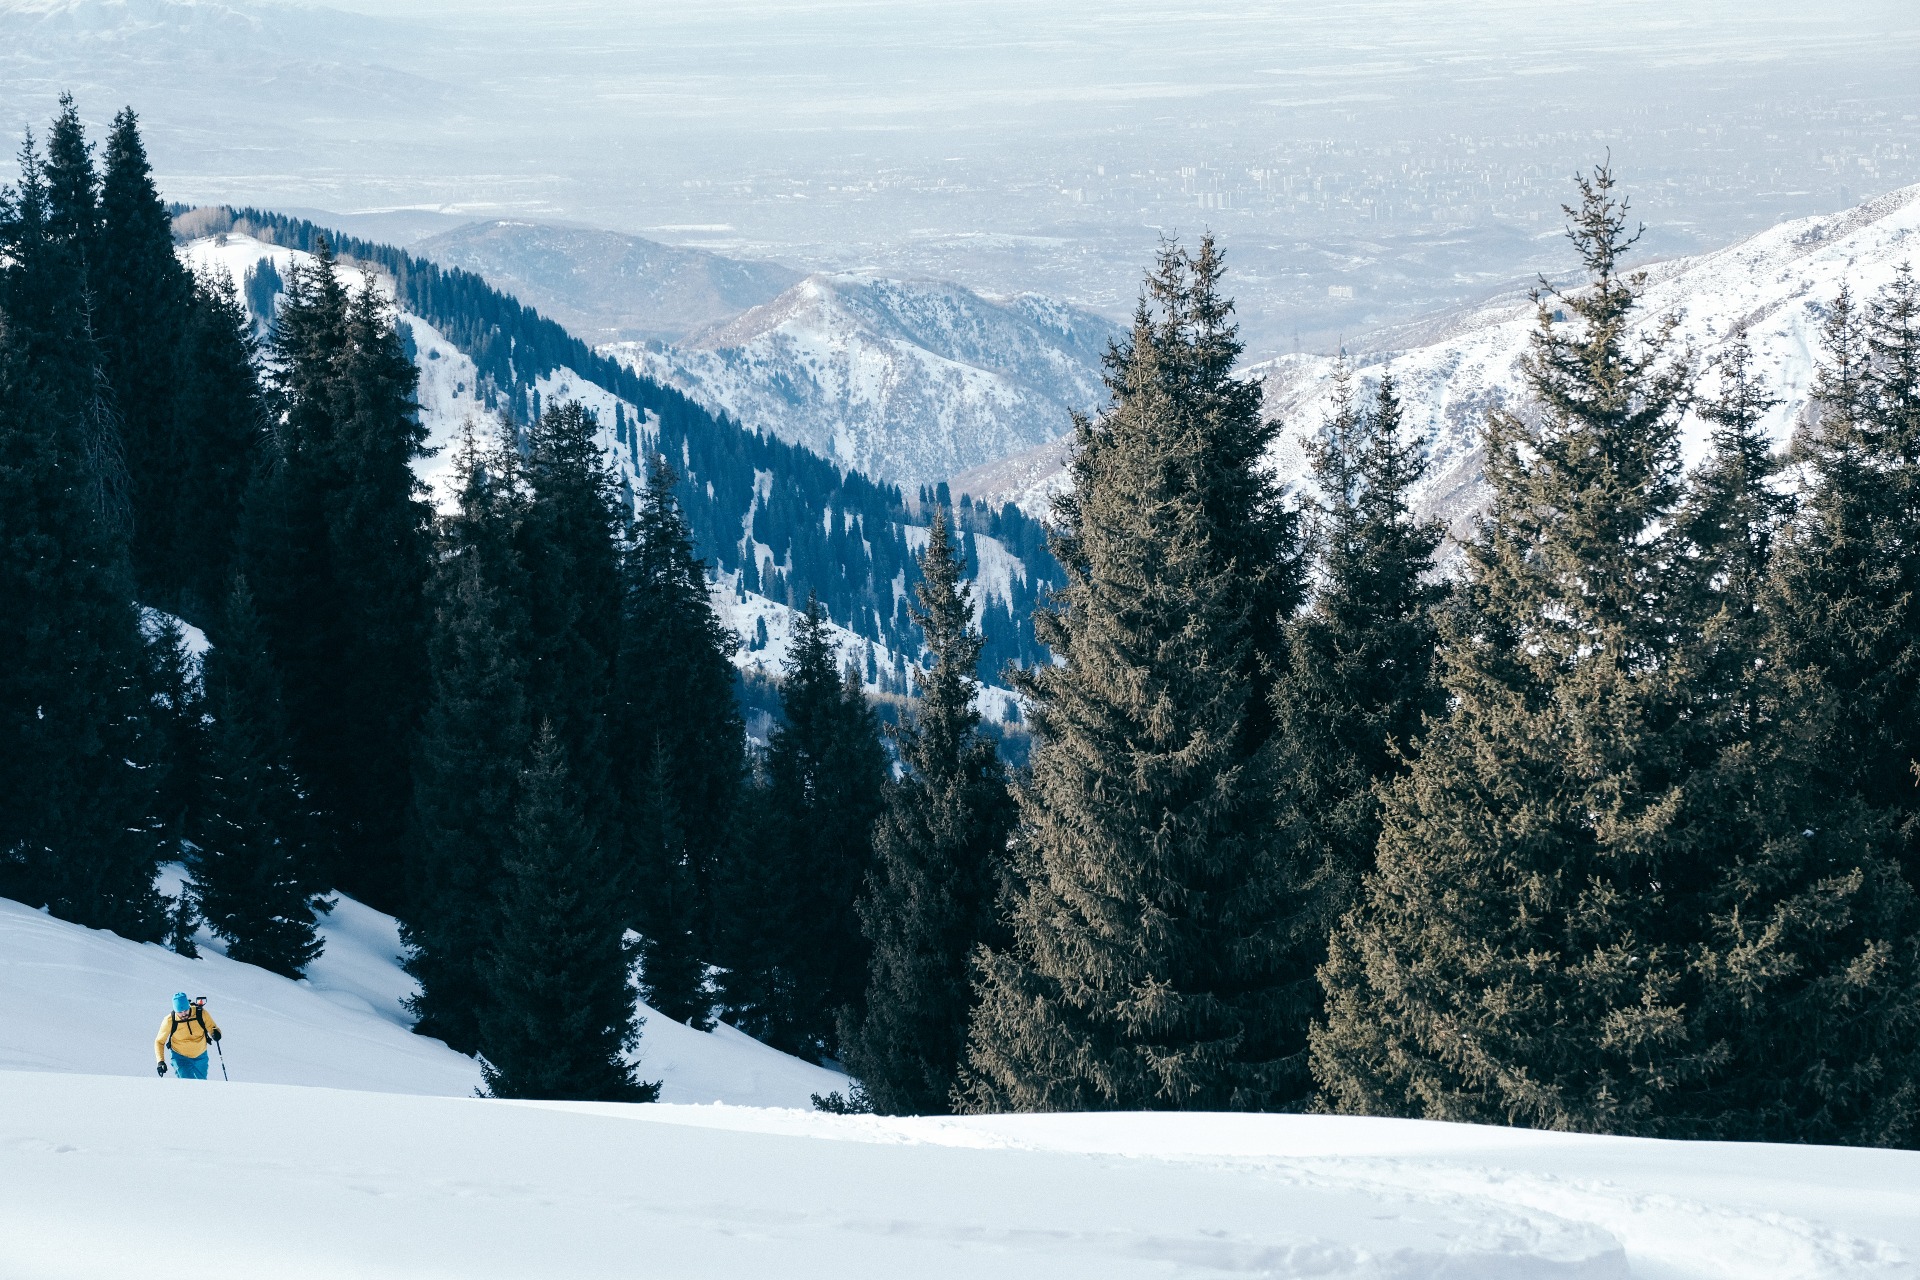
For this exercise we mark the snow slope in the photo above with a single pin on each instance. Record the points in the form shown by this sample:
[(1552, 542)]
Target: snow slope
[(449, 400), (907, 380), (98, 1172), (83, 1001), (384, 1165), (1775, 286)]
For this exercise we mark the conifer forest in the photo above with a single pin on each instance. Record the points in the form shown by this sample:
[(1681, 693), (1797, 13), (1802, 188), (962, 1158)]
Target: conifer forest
[(1595, 810)]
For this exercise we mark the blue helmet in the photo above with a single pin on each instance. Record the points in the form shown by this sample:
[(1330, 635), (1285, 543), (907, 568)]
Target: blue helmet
[(180, 1002)]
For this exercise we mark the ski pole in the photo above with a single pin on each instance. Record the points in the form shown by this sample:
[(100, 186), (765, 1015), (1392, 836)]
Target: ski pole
[(223, 1060)]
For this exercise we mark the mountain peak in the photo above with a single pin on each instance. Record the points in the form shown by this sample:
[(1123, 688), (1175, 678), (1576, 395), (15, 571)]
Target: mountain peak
[(910, 380)]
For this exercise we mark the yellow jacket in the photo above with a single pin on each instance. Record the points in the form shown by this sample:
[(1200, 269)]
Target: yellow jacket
[(184, 1033)]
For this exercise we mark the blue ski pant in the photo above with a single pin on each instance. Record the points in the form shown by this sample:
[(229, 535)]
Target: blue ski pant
[(190, 1068)]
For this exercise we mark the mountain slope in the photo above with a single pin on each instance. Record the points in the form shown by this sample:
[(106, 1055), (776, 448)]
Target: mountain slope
[(83, 1000), (907, 380), (773, 520), (1775, 286), (606, 286)]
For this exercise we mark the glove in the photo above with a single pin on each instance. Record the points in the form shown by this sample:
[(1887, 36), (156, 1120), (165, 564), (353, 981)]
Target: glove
[(214, 1035), (160, 1068)]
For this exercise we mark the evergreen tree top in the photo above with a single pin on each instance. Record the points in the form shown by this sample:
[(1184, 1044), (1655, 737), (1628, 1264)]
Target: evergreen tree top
[(1583, 480), (947, 717), (73, 189)]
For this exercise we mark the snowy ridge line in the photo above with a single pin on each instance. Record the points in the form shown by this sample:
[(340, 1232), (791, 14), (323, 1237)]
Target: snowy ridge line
[(906, 380), (1774, 286)]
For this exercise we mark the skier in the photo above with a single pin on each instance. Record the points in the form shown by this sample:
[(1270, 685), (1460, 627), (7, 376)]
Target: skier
[(185, 1034)]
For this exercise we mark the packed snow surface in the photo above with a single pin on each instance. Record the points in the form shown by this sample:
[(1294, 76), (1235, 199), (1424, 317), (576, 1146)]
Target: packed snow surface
[(99, 1172), (385, 1165)]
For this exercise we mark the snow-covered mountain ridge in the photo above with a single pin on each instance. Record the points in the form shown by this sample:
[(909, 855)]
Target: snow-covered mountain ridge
[(907, 380), (1774, 286), (449, 398)]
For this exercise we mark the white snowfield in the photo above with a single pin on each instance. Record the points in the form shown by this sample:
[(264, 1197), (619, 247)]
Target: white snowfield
[(86, 1001), (365, 1172)]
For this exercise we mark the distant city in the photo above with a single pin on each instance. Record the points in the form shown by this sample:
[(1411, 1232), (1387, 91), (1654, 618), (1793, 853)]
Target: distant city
[(1014, 147)]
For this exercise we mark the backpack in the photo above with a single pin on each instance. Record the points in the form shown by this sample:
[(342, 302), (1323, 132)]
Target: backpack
[(192, 1015)]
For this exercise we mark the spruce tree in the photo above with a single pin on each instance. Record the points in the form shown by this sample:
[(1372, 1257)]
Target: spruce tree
[(73, 190), (381, 545), (337, 547), (254, 878), (939, 854), (143, 304), (1519, 954), (796, 957), (562, 1018), (1809, 972), (1733, 513), (682, 741), (76, 821), (667, 908), (567, 541), (176, 725), (1356, 680), (217, 430), (1149, 960), (1848, 617), (473, 746)]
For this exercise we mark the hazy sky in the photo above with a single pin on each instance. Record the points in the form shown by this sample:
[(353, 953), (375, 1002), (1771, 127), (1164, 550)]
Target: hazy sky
[(1411, 152)]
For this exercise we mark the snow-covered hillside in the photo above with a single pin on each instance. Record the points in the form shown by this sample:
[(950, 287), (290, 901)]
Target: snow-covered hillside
[(1775, 286), (344, 1146), (449, 399), (81, 1000), (449, 386), (1027, 479), (106, 1176), (907, 380)]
